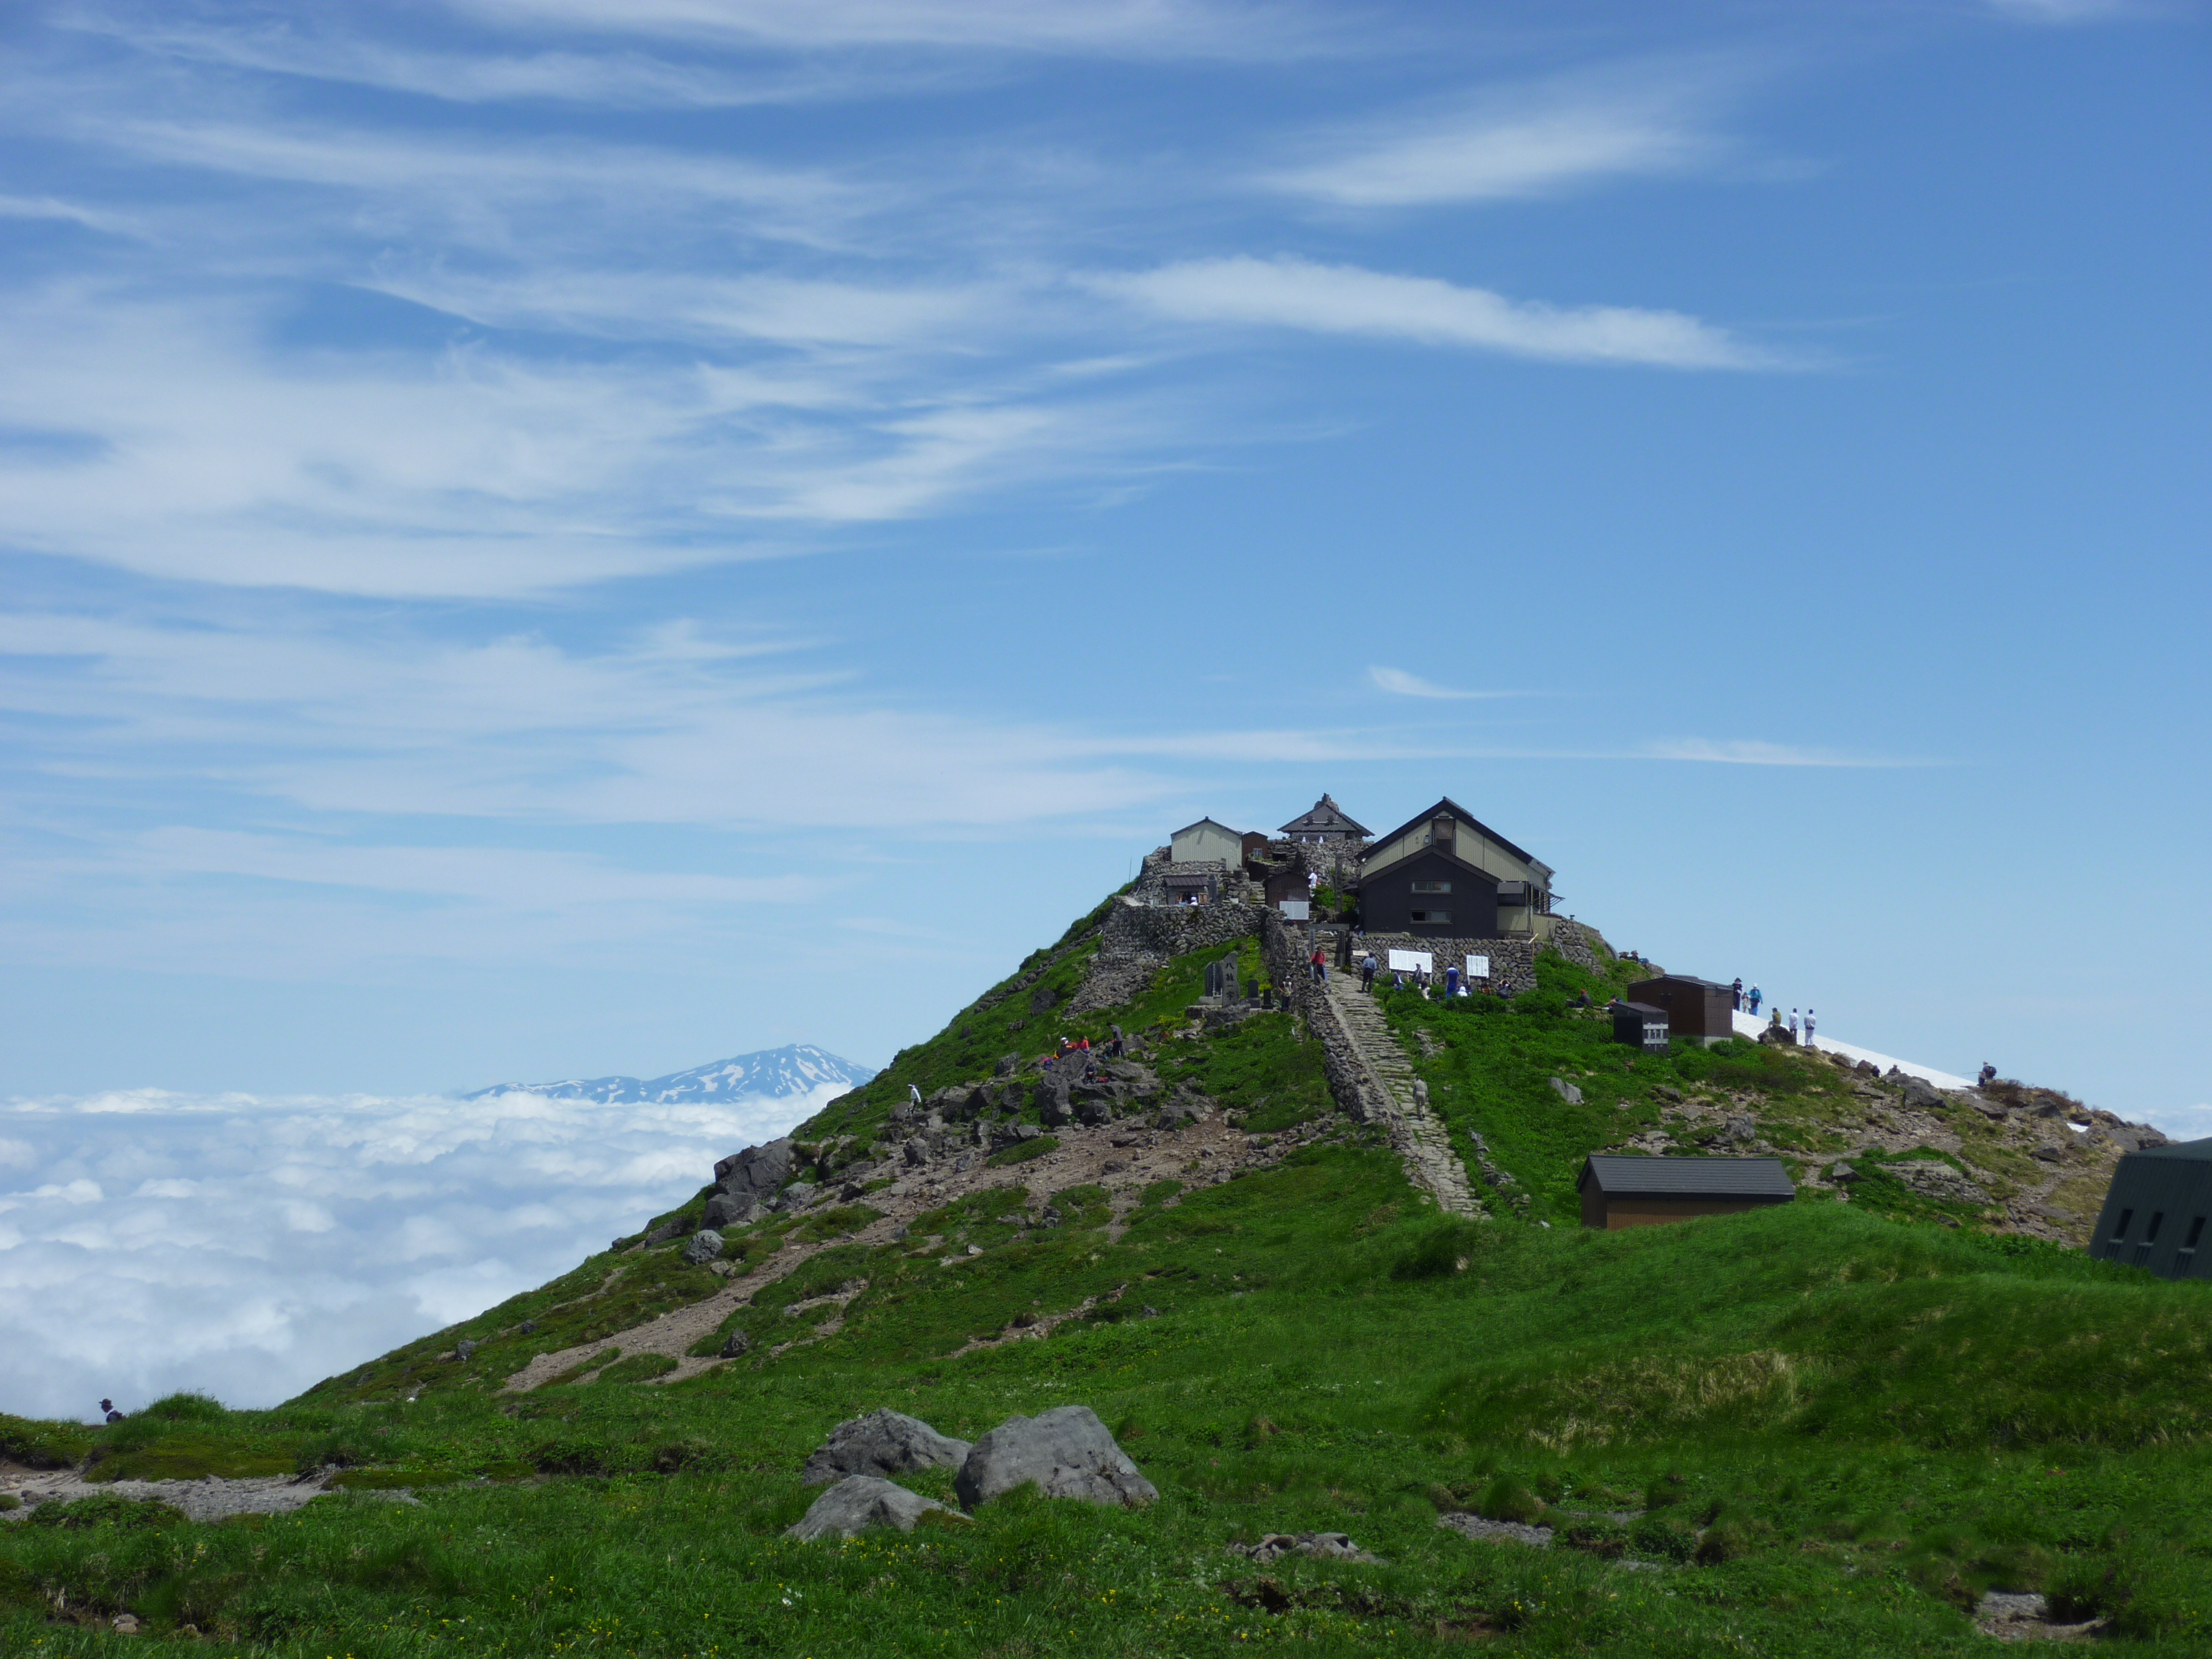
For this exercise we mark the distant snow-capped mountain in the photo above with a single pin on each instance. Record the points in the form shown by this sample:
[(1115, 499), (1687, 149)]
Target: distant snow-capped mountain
[(798, 1068)]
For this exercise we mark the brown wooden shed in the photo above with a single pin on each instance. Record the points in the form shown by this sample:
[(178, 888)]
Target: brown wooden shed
[(1621, 1192), (1695, 1007)]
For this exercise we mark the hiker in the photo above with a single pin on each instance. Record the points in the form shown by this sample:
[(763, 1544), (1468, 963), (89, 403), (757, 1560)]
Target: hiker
[(1451, 980), (1808, 1028), (1313, 882), (1988, 1074), (1397, 980), (1754, 993), (1367, 973), (1793, 1025), (1735, 991), (108, 1413), (914, 1093)]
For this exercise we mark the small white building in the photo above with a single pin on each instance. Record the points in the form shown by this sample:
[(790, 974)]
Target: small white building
[(1206, 841)]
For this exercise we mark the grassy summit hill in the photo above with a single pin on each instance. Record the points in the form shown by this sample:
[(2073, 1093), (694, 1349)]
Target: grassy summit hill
[(1827, 1428)]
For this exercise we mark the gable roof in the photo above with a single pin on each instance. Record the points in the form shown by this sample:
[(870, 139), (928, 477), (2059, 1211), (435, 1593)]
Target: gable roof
[(1620, 1176), (1447, 804), (2193, 1152), (1324, 815), (1234, 835)]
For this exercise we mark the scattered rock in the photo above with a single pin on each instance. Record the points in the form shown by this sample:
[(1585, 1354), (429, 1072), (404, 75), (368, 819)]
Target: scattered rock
[(464, 1348), (528, 1328), (126, 1624), (1067, 1451), (2014, 1616), (883, 1442), (702, 1248), (1566, 1091), (1938, 1180), (1843, 1174), (796, 1196), (738, 1346), (1328, 1545), (668, 1230), (1919, 1093), (1506, 1532), (2049, 1152), (859, 1502)]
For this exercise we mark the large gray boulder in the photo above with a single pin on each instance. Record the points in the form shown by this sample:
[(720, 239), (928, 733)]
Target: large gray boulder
[(757, 1171), (1067, 1452), (702, 1247), (883, 1442), (732, 1209), (860, 1501)]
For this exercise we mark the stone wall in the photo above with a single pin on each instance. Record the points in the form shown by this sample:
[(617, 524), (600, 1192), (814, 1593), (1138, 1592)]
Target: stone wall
[(1512, 961), (1137, 939), (1283, 945)]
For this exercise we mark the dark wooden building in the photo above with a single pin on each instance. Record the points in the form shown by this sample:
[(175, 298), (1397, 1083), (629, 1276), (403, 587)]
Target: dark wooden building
[(1695, 1007), (1621, 1192), (1440, 875), (1640, 1026), (2156, 1213), (1325, 821)]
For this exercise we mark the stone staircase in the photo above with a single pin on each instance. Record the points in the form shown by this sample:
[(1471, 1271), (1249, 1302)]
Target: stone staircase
[(1399, 1100)]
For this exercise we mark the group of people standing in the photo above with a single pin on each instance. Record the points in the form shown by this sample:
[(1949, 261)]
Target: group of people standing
[(1747, 1002)]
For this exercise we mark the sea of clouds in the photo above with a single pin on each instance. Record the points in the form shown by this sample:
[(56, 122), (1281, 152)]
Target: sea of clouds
[(250, 1246)]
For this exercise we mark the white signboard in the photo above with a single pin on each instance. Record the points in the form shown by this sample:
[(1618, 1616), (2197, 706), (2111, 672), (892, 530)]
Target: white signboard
[(1477, 967), (1405, 961), (1296, 909)]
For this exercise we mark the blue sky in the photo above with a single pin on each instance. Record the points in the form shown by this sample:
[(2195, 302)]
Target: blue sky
[(548, 537)]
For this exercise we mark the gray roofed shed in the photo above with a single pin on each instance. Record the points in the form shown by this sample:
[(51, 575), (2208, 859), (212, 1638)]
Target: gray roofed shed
[(1620, 1191)]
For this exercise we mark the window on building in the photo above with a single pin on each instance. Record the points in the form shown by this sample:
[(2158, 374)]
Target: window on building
[(2196, 1232), (2150, 1233), (2121, 1231), (1432, 887), (1432, 918)]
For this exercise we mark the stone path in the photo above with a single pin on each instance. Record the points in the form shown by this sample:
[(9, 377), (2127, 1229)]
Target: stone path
[(1401, 1100)]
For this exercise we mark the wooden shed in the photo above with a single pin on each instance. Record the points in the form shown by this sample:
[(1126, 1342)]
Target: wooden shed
[(1695, 1007), (2156, 1211), (1647, 1192)]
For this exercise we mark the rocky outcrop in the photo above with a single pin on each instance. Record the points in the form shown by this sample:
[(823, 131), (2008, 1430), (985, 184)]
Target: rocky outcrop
[(859, 1502), (702, 1247), (1067, 1452), (883, 1442), (758, 1171)]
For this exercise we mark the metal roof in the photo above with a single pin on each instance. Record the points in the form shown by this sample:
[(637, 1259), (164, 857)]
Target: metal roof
[(1325, 814), (1687, 1177), (1201, 824), (1686, 979), (2191, 1151), (1447, 804)]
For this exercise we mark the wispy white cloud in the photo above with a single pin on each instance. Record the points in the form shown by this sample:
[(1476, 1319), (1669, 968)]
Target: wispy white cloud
[(1400, 683), (316, 49), (1749, 752), (2064, 11), (48, 207), (265, 1243), (1121, 28), (1521, 142), (1287, 292)]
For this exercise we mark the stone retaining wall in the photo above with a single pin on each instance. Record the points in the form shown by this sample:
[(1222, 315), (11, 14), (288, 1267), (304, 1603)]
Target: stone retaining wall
[(1283, 945), (1137, 939)]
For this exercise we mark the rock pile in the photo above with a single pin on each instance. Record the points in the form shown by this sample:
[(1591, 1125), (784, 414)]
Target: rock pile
[(1065, 1453)]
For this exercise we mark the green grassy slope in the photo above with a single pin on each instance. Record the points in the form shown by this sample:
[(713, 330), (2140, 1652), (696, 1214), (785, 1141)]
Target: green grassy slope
[(1839, 1427)]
